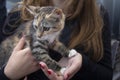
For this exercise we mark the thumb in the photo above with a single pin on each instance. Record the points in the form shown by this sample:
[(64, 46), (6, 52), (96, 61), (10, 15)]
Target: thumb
[(25, 51), (20, 44)]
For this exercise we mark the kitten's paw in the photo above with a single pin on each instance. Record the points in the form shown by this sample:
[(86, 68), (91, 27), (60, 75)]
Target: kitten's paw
[(62, 70), (72, 53)]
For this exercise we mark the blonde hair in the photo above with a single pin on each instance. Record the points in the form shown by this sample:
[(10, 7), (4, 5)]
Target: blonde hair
[(88, 33)]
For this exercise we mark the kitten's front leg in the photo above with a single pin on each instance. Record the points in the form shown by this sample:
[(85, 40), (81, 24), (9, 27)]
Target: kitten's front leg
[(41, 53), (62, 49)]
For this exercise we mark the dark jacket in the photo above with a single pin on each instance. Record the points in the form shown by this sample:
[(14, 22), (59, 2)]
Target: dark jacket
[(90, 70), (3, 13)]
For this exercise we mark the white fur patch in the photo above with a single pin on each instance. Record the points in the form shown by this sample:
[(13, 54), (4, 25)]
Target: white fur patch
[(63, 70), (72, 53), (50, 37)]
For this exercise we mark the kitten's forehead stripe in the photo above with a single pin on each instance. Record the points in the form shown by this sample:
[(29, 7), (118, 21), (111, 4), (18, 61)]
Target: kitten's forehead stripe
[(43, 11), (47, 10)]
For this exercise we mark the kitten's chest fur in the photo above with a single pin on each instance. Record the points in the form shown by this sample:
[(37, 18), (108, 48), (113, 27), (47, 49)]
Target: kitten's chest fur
[(51, 37)]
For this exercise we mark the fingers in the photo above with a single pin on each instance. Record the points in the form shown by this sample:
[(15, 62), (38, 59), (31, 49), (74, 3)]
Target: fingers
[(20, 44), (70, 71), (25, 78), (44, 68), (73, 67), (50, 73)]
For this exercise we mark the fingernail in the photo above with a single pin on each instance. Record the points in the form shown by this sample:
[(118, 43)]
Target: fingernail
[(67, 77), (23, 37), (42, 66), (49, 72)]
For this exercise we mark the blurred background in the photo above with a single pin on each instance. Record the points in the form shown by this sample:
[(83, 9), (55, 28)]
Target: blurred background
[(112, 6), (11, 3)]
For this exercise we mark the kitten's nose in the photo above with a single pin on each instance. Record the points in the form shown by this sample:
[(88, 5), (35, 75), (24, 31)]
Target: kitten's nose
[(58, 11)]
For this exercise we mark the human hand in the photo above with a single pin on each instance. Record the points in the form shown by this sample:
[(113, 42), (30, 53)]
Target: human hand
[(21, 62), (73, 65), (50, 73)]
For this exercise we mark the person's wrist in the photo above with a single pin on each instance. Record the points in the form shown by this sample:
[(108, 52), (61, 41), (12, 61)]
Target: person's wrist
[(10, 74), (7, 73)]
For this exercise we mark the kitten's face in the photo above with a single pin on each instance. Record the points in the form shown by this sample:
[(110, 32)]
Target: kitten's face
[(48, 20)]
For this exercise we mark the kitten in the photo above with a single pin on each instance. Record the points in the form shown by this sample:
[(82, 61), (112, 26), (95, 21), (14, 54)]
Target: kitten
[(42, 34)]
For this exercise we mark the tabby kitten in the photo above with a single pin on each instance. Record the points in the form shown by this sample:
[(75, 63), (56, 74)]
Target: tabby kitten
[(42, 34)]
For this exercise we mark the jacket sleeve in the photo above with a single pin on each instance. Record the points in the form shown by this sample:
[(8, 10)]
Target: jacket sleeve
[(101, 70), (2, 75), (11, 23), (3, 14), (8, 22)]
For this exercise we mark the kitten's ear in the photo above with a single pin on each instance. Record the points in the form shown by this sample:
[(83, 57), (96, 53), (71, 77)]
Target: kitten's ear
[(32, 9)]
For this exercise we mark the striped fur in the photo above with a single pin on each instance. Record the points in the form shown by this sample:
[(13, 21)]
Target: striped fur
[(41, 33)]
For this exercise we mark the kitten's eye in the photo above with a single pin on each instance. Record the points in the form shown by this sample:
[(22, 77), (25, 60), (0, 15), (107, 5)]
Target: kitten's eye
[(35, 27), (54, 27), (46, 28), (53, 19), (57, 19), (44, 24)]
